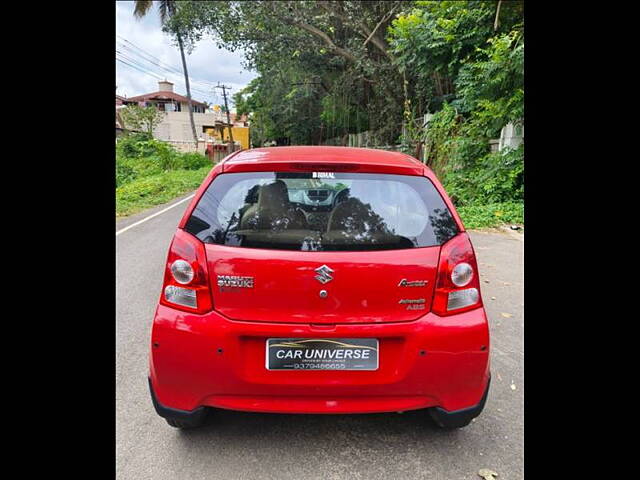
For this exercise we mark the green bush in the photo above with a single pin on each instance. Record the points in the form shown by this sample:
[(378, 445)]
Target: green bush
[(193, 161), (135, 145), (124, 173), (496, 177), (150, 172), (156, 189), (492, 215), (139, 156)]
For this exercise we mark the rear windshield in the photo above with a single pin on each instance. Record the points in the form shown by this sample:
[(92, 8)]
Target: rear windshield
[(320, 211)]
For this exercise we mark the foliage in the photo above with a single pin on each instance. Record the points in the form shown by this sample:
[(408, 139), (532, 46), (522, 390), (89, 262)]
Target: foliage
[(431, 42), (156, 189), (472, 76), (327, 69), (497, 177), (311, 58), (166, 8), (491, 89), (492, 215), (149, 172), (136, 117), (140, 156)]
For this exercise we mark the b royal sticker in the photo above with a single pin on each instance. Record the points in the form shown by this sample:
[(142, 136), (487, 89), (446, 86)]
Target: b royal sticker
[(324, 175)]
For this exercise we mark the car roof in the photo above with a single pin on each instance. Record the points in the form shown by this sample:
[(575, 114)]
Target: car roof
[(323, 154)]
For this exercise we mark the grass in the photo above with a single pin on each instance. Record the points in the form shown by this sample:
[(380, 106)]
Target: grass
[(492, 215), (152, 190), (150, 172)]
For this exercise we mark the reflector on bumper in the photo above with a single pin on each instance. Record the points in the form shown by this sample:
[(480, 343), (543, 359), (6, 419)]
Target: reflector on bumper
[(462, 298), (181, 296)]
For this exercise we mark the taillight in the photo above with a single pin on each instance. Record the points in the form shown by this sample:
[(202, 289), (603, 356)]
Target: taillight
[(186, 282), (326, 167), (458, 285)]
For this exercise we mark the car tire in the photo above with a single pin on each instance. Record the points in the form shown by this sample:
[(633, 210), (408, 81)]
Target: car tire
[(449, 422), (185, 424)]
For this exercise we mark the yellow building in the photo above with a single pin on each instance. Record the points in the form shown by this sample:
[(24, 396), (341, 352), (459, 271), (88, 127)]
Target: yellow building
[(240, 134)]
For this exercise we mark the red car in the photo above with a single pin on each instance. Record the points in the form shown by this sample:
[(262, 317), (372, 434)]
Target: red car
[(320, 280)]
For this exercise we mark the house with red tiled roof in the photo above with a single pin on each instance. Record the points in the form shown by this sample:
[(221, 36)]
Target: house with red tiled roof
[(166, 100), (176, 126)]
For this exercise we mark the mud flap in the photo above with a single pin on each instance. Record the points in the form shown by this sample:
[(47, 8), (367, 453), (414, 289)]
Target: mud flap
[(458, 418)]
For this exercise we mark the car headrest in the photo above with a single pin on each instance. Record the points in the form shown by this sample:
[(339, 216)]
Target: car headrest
[(274, 195)]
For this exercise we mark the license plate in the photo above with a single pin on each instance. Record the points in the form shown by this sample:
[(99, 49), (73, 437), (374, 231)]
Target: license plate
[(322, 354)]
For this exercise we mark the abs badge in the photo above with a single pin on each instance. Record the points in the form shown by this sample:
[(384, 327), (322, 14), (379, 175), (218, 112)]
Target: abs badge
[(413, 303)]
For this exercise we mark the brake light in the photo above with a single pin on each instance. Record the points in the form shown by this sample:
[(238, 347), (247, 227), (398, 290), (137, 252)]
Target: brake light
[(186, 281), (326, 167), (458, 285)]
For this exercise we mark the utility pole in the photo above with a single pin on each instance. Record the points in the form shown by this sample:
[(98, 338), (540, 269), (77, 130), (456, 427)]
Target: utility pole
[(226, 107)]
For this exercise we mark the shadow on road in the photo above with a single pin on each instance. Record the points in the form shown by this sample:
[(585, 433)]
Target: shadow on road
[(319, 446), (227, 426)]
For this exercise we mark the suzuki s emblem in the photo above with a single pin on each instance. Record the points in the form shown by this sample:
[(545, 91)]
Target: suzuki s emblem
[(324, 274)]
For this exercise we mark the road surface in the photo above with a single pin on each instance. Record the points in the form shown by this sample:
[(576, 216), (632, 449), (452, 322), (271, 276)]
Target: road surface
[(240, 445)]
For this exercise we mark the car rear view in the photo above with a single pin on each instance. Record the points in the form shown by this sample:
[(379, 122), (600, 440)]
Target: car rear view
[(320, 280)]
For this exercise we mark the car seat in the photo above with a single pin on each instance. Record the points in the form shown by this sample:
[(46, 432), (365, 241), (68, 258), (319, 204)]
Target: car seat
[(273, 210)]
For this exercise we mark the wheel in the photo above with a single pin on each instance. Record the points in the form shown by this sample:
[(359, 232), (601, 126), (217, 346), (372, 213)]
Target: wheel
[(449, 422), (185, 424), (196, 418)]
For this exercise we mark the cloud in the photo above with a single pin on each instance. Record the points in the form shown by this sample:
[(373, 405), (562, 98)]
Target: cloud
[(207, 64)]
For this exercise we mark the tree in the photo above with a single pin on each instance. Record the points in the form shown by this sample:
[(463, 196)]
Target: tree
[(331, 68), (168, 9), (141, 118), (307, 51), (441, 47)]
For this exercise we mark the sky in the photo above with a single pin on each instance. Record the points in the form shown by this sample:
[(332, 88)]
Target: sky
[(139, 41)]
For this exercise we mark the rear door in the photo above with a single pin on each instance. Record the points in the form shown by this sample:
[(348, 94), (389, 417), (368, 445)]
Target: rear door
[(322, 287), (316, 248)]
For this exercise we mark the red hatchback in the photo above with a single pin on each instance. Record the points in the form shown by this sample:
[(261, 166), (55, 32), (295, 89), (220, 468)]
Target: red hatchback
[(320, 280)]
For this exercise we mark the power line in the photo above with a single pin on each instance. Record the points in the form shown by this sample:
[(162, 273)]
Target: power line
[(144, 69), (144, 54), (171, 71), (201, 86), (170, 68), (155, 71), (139, 69)]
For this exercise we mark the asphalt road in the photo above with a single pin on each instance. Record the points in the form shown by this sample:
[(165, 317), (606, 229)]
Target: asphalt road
[(238, 445)]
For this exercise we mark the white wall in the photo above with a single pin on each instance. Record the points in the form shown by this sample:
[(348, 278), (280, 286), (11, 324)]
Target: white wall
[(176, 126), (511, 136)]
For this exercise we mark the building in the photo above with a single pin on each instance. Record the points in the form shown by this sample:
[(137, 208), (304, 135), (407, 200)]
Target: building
[(221, 132), (166, 100), (176, 126)]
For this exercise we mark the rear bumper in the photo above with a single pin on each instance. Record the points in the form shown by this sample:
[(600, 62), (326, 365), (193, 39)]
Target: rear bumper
[(441, 416), (210, 361), (459, 418)]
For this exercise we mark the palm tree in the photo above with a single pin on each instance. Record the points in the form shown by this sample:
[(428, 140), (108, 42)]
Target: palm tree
[(167, 9)]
